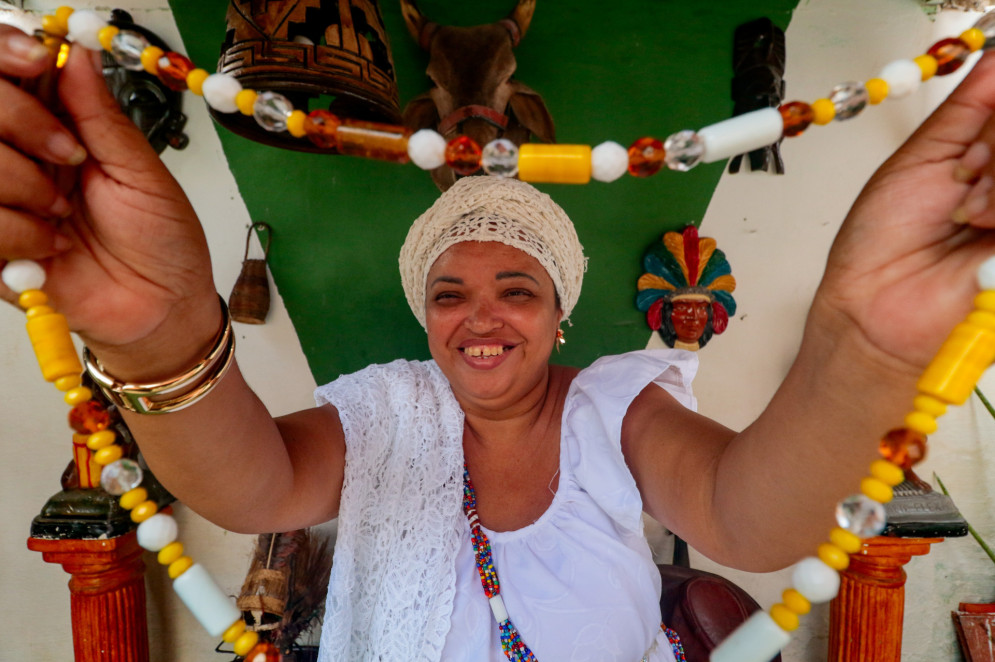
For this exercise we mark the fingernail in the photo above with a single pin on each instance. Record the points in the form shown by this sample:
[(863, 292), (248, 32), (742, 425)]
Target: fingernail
[(62, 243), (66, 148), (61, 207), (975, 203), (27, 48), (974, 160)]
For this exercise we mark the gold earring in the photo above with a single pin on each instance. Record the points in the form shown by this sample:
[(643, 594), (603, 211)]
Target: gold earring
[(559, 339)]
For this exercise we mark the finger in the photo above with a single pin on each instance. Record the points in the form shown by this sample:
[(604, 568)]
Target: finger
[(47, 139), (20, 54), (25, 186), (26, 236)]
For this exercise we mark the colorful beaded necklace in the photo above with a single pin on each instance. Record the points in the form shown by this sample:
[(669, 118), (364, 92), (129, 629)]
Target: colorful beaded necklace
[(949, 379)]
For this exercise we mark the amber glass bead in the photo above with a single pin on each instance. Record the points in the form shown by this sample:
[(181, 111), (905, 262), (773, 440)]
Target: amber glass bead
[(950, 54), (89, 417), (797, 115), (373, 140), (903, 447), (174, 69), (463, 155), (646, 157), (263, 652), (321, 128)]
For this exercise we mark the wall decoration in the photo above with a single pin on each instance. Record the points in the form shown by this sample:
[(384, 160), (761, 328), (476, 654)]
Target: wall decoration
[(758, 61), (686, 290), (249, 300)]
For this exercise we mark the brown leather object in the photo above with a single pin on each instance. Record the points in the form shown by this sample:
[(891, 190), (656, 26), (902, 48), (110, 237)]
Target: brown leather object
[(703, 608)]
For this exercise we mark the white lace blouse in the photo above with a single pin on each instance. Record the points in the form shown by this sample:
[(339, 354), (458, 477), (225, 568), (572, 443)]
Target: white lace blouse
[(579, 583)]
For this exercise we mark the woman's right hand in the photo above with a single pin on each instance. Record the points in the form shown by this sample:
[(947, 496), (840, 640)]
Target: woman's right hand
[(126, 257)]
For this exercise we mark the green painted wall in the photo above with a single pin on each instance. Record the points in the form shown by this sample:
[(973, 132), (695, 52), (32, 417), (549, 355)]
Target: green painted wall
[(648, 67)]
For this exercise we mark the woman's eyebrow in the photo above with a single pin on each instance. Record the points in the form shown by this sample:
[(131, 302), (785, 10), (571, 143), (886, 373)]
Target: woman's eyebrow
[(447, 279), (514, 274)]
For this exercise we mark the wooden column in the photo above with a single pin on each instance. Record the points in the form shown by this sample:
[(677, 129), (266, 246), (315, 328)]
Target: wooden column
[(107, 596), (865, 619)]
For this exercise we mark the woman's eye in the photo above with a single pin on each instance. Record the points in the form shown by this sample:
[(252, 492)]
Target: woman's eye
[(518, 293), (446, 296)]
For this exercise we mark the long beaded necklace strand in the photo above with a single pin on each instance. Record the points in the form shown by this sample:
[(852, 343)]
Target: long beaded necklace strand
[(949, 379)]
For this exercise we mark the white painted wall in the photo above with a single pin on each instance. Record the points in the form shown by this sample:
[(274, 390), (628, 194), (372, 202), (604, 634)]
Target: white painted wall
[(776, 231)]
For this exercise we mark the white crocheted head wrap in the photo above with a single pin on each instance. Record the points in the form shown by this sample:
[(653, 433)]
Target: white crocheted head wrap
[(507, 211)]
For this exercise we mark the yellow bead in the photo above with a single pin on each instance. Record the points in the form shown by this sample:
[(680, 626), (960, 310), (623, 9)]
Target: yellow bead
[(877, 90), (106, 36), (929, 405), (245, 643), (921, 422), (38, 311), (848, 542), (101, 439), (887, 473), (51, 25), (927, 65), (985, 301), (295, 124), (246, 101), (77, 395), (143, 511), (964, 356), (53, 346), (555, 164), (786, 619), (179, 566), (796, 602), (31, 298), (876, 490), (981, 318), (132, 498), (234, 632), (150, 59), (833, 556), (195, 81), (170, 553), (108, 454), (63, 13), (823, 111), (68, 383), (974, 38)]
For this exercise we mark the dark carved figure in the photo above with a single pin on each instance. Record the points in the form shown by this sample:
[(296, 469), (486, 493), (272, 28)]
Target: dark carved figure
[(758, 82), (474, 93)]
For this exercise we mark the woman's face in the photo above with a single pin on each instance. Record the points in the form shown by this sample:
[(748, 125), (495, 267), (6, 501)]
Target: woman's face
[(491, 317)]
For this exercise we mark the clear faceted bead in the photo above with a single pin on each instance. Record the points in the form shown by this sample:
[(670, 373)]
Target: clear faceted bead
[(849, 99), (271, 110), (861, 516), (987, 26), (120, 476), (684, 150), (500, 158), (127, 47)]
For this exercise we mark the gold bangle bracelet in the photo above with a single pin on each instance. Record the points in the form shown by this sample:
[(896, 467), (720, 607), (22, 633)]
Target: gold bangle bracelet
[(173, 394)]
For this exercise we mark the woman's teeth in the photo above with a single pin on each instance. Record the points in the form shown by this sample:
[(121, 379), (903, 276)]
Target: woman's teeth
[(478, 350)]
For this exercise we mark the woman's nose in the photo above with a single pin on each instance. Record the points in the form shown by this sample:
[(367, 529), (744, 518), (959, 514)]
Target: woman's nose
[(482, 318)]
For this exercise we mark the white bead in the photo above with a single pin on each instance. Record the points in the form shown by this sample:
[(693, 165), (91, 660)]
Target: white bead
[(903, 78), (758, 639), (815, 580), (427, 149), (609, 161), (986, 274), (84, 28), (498, 608), (741, 134), (220, 91), (208, 603), (21, 275), (157, 531)]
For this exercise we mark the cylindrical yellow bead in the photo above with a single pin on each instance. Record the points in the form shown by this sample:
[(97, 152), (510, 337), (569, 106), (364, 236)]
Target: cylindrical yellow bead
[(877, 490), (848, 542), (245, 643), (51, 25), (887, 473), (786, 619), (246, 101), (106, 36), (101, 439), (982, 318), (555, 164), (963, 358), (108, 454), (53, 346), (195, 81), (929, 405), (38, 311), (30, 298), (921, 422), (823, 111), (133, 497), (795, 601), (150, 59), (143, 511), (179, 566), (170, 553), (77, 395), (68, 383), (833, 556), (234, 632), (877, 90), (985, 301), (295, 124), (974, 38), (927, 65)]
